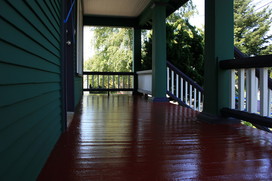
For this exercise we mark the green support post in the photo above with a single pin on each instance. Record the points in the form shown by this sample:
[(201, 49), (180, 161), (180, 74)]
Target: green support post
[(218, 46), (159, 53), (136, 55)]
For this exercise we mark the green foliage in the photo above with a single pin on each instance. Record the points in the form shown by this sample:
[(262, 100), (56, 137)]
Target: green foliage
[(185, 44), (251, 28), (184, 49), (185, 12), (248, 124), (113, 50)]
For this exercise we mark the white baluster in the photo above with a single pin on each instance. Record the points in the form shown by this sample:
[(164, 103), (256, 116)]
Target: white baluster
[(251, 91), (167, 79), (190, 95), (113, 78), (181, 89), (108, 82), (264, 91), (232, 91), (118, 83), (257, 92), (186, 92), (194, 98), (132, 81), (87, 82), (92, 80), (98, 81), (172, 82), (269, 102), (103, 81), (241, 89), (199, 101), (177, 85)]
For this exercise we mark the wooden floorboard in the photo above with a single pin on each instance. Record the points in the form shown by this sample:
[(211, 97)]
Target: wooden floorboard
[(122, 137)]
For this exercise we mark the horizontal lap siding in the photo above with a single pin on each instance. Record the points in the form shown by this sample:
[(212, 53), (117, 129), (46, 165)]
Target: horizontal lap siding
[(30, 85)]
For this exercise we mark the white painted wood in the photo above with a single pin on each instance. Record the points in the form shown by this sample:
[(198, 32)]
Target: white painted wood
[(264, 91), (145, 81), (199, 101), (251, 92), (247, 89), (190, 95), (103, 81), (123, 78), (195, 99), (177, 85), (92, 80), (118, 84), (241, 89), (232, 91), (186, 92), (87, 86), (132, 81), (172, 82), (108, 82), (181, 89), (269, 102), (120, 8), (167, 77), (113, 81)]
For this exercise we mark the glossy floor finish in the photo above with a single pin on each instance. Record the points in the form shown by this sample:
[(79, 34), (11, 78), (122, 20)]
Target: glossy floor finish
[(122, 137)]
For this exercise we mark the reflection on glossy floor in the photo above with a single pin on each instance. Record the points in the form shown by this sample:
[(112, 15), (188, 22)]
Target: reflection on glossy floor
[(122, 137)]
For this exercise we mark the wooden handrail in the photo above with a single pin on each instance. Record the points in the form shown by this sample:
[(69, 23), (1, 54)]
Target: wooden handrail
[(185, 77), (247, 62)]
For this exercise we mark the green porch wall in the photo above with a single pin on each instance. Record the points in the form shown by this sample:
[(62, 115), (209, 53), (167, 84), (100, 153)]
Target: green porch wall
[(78, 91), (30, 85), (218, 46)]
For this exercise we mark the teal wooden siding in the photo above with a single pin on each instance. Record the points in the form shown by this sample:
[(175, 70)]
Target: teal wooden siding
[(30, 85)]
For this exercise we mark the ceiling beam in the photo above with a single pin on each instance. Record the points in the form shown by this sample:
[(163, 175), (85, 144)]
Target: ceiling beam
[(109, 21)]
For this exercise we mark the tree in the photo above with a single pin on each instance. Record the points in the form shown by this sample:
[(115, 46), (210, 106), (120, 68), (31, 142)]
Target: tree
[(251, 28), (185, 45), (113, 50)]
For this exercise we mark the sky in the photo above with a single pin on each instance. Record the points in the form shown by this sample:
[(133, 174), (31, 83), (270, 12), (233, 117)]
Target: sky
[(197, 20)]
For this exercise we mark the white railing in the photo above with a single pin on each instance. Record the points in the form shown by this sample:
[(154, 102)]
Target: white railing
[(145, 81), (183, 89), (252, 93), (108, 81)]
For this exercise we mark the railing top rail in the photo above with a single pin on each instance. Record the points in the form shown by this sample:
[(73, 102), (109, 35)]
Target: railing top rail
[(247, 62), (238, 54), (107, 73), (185, 77)]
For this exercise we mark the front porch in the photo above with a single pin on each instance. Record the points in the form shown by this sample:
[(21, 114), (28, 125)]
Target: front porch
[(125, 137)]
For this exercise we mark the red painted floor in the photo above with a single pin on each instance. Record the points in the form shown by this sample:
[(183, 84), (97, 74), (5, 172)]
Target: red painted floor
[(127, 138)]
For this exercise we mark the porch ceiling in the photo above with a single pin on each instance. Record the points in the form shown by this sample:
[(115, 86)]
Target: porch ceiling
[(124, 13), (120, 8)]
